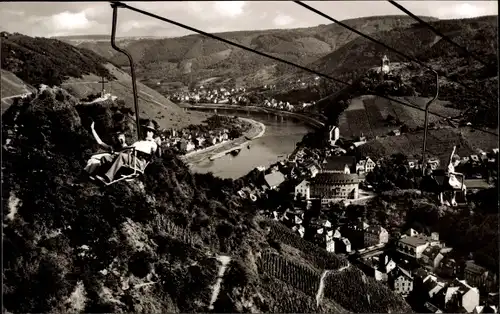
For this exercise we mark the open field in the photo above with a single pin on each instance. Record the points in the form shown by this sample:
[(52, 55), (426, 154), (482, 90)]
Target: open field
[(367, 115), (439, 143)]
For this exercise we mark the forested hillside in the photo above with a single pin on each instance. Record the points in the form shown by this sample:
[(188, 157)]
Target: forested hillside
[(150, 245), (195, 58), (55, 63), (353, 62)]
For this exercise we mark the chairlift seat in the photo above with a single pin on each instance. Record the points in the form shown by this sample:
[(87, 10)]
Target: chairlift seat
[(129, 172)]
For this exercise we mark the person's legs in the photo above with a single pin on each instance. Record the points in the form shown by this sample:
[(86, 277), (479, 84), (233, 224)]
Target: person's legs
[(122, 159), (95, 161)]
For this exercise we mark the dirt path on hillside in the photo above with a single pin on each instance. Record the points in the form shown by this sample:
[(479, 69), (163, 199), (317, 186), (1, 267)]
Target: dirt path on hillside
[(216, 288)]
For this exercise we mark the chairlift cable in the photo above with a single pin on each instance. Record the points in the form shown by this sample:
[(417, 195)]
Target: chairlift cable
[(126, 6), (388, 47)]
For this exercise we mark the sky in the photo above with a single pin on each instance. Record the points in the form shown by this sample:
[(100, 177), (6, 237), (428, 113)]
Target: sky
[(48, 19)]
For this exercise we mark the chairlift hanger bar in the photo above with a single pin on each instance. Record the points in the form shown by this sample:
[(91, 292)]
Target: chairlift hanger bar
[(122, 5), (385, 45), (115, 6)]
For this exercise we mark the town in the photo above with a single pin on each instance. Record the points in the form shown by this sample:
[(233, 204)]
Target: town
[(241, 96), (421, 267)]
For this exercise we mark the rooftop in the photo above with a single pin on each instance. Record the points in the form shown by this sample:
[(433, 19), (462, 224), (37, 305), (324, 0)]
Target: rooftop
[(375, 229), (404, 272), (431, 252), (414, 241), (473, 267), (274, 179), (336, 178)]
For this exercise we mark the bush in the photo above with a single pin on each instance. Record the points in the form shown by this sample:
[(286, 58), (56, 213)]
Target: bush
[(45, 170)]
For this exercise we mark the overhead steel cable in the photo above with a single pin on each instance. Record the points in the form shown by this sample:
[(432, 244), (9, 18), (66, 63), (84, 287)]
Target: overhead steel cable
[(437, 32), (388, 47), (122, 5)]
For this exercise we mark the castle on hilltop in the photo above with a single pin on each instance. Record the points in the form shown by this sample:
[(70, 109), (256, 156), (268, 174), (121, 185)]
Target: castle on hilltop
[(385, 67)]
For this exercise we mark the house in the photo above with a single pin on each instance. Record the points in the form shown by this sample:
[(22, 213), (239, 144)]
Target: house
[(325, 240), (377, 267), (431, 285), (479, 276), (340, 164), (374, 235), (475, 159), (200, 141), (431, 258), (334, 186), (395, 132), (211, 140), (321, 225), (401, 281), (342, 245), (448, 267), (457, 297), (183, 145), (274, 179), (312, 168), (365, 165), (412, 246), (414, 164), (303, 190), (299, 229)]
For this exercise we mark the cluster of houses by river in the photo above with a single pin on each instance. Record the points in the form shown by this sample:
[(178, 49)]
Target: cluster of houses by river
[(219, 95), (418, 266), (234, 96), (186, 140)]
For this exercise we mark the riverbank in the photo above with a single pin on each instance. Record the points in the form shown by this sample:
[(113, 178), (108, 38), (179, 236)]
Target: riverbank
[(256, 130), (304, 118)]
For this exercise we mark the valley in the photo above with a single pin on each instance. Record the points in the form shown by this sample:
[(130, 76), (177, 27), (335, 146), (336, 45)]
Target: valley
[(322, 207)]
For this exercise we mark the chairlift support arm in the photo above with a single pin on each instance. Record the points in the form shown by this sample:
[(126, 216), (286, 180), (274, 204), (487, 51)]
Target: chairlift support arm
[(115, 6), (426, 121)]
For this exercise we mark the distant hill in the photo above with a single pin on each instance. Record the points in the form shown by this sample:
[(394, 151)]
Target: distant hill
[(153, 244), (35, 61), (479, 35), (356, 61), (194, 58)]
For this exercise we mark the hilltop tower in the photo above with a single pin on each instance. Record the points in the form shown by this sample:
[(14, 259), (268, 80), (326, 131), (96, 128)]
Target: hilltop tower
[(385, 68)]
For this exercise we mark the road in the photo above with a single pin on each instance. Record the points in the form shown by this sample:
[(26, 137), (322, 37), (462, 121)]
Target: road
[(307, 119), (27, 91)]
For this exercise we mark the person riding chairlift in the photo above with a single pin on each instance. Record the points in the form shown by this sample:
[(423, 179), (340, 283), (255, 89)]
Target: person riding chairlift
[(98, 160), (145, 150)]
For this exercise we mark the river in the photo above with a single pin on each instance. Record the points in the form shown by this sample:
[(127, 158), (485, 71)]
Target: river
[(279, 140)]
